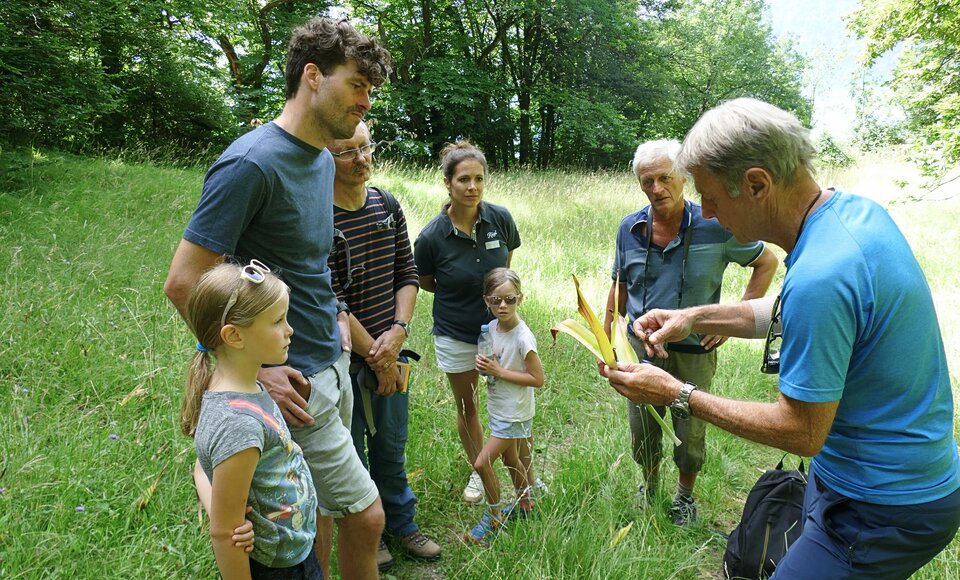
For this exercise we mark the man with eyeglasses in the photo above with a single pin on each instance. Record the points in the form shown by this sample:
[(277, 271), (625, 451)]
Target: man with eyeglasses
[(375, 276), (669, 255), (863, 378), (270, 197)]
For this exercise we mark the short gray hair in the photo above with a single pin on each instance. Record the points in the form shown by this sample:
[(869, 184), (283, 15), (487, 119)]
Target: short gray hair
[(652, 151), (745, 133)]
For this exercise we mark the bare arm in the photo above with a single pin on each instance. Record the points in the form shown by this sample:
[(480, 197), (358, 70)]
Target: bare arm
[(386, 348), (530, 376), (190, 261), (658, 327), (242, 535), (788, 424), (621, 307), (231, 486), (509, 258), (764, 269)]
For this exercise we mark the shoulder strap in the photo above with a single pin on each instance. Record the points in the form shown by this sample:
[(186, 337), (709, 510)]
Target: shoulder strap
[(390, 202)]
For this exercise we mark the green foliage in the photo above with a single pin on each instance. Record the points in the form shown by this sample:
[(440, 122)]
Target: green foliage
[(544, 83), (87, 75), (829, 152), (718, 50), (926, 82)]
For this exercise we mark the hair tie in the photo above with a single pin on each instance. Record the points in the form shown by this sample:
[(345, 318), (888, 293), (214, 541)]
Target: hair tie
[(201, 348)]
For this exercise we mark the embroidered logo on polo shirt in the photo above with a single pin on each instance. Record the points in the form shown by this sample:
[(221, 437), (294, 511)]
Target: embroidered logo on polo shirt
[(491, 235)]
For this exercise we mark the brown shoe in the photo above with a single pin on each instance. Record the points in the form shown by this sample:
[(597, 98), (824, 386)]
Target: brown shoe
[(384, 559), (420, 546)]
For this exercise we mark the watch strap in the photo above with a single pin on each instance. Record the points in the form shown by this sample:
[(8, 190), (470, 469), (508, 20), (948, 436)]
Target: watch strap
[(404, 325)]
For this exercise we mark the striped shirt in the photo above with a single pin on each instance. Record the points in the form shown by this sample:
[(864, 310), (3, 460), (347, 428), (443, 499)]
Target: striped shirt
[(381, 261)]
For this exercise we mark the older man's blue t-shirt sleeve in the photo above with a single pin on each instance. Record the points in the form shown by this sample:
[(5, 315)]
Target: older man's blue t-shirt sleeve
[(823, 307), (234, 190)]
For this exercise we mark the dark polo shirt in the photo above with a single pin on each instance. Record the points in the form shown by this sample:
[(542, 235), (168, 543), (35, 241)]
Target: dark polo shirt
[(458, 263)]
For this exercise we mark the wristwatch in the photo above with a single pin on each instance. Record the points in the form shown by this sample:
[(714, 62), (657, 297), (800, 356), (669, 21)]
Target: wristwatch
[(342, 307), (681, 405), (404, 325)]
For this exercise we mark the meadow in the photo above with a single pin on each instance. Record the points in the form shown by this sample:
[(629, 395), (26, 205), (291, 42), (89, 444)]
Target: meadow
[(95, 476)]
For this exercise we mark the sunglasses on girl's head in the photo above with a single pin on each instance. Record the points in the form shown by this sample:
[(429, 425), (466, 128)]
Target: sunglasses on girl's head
[(254, 272), (496, 300)]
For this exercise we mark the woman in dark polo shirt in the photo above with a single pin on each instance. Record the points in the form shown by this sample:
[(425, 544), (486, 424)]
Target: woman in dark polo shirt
[(453, 253)]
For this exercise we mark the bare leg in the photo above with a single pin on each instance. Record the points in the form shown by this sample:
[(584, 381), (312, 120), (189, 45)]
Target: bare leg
[(688, 480), (525, 455), (358, 541), (464, 387), (323, 545), (494, 448)]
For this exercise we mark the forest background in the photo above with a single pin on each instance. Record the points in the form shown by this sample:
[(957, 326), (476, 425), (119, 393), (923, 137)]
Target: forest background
[(535, 83)]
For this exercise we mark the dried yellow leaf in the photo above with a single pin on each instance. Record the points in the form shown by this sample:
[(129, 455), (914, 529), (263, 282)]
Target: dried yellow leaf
[(621, 534)]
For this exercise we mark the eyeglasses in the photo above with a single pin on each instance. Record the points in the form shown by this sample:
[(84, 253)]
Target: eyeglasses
[(255, 272), (497, 300), (771, 347), (366, 150)]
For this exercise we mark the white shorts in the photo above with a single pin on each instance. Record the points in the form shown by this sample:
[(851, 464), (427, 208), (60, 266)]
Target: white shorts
[(454, 356)]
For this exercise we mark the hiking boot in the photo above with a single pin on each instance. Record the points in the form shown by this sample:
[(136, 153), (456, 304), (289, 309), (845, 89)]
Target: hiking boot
[(420, 546), (487, 529), (473, 493), (683, 511), (384, 559)]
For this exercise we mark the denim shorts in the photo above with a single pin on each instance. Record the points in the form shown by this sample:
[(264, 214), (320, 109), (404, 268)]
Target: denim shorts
[(454, 356), (343, 484), (511, 429)]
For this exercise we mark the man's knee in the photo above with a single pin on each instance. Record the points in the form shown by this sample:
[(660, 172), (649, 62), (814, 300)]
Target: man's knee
[(369, 521)]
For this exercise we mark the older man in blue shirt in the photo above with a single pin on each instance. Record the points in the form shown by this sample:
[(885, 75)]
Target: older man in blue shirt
[(669, 256)]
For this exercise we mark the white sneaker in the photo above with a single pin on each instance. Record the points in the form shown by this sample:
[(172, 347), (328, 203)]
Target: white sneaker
[(473, 493), (540, 488)]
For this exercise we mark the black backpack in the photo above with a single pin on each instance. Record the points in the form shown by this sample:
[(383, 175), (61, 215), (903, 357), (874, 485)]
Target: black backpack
[(772, 520)]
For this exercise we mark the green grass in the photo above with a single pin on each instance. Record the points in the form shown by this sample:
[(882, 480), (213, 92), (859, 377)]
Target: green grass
[(89, 347)]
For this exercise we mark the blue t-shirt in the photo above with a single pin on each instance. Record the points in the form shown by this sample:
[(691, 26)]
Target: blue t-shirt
[(653, 276), (270, 197), (859, 326)]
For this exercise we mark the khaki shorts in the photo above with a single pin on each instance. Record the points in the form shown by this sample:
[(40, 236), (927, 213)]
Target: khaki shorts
[(645, 433), (343, 484)]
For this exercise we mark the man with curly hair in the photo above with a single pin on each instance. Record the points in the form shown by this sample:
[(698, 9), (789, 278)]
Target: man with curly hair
[(270, 197)]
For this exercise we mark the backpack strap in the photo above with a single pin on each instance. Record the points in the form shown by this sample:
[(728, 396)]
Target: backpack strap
[(800, 468), (390, 202), (392, 206)]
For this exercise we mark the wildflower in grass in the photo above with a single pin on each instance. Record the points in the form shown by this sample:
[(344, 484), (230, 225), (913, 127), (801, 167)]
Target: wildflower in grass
[(81, 508), (114, 436)]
